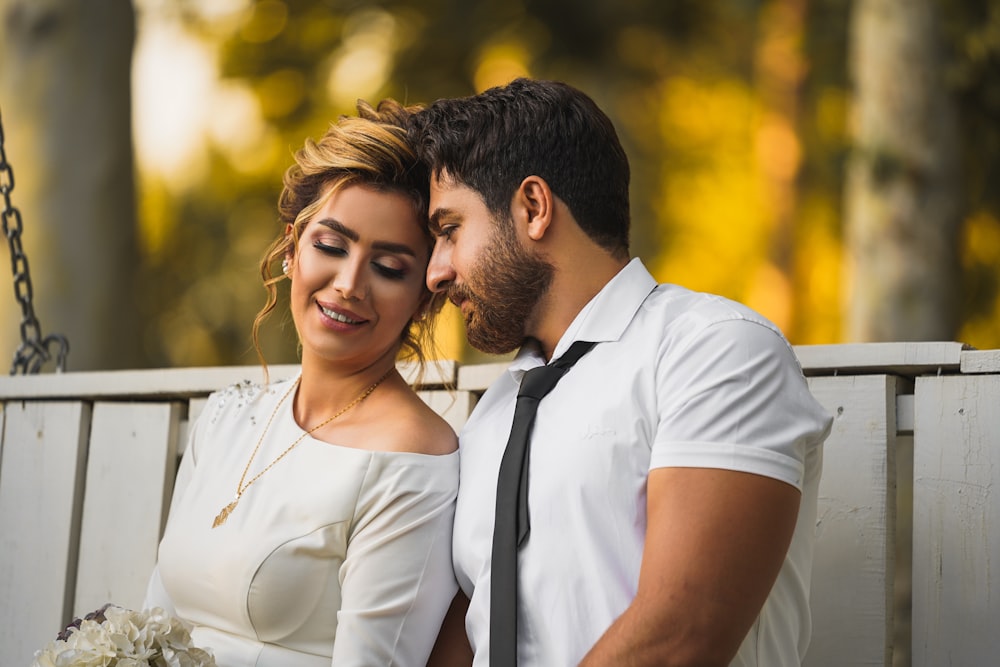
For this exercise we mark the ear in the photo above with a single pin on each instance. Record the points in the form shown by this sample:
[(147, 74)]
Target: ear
[(289, 255), (533, 205), (289, 251)]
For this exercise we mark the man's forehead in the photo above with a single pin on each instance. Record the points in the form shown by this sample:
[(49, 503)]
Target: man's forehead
[(444, 187), (443, 180), (451, 199)]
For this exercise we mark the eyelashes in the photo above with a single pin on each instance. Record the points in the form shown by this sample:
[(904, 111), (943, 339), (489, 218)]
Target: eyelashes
[(333, 251), (388, 272), (383, 270)]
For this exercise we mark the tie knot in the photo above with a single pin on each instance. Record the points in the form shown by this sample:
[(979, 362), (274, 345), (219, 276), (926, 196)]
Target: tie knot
[(538, 382)]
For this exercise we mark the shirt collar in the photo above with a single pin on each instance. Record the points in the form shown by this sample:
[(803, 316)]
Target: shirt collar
[(603, 319)]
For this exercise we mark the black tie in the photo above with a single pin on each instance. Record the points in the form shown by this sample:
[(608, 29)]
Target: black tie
[(510, 528)]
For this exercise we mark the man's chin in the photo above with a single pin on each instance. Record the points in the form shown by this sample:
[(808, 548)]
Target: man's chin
[(491, 344)]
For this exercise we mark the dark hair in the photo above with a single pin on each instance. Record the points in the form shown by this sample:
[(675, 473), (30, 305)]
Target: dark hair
[(492, 141), (370, 149)]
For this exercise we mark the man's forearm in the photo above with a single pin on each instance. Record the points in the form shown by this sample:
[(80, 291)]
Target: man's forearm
[(636, 640)]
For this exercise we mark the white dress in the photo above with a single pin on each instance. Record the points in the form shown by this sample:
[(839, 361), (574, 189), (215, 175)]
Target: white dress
[(336, 555)]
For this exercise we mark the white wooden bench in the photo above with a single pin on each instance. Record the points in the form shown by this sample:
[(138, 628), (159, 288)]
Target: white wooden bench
[(908, 529)]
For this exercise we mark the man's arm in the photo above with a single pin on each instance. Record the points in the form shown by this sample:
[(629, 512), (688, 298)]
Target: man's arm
[(715, 541), (452, 648)]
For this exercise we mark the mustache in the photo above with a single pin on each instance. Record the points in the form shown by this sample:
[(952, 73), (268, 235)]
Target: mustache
[(458, 293)]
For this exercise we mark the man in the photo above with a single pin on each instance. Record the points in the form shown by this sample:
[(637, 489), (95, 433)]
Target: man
[(672, 477)]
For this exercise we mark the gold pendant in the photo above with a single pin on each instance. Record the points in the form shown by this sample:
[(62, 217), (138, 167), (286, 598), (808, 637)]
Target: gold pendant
[(224, 514)]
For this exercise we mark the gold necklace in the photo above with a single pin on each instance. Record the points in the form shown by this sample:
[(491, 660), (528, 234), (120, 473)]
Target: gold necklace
[(241, 487)]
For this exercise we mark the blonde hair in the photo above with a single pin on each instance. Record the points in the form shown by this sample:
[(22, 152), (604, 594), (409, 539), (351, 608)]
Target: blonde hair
[(369, 149)]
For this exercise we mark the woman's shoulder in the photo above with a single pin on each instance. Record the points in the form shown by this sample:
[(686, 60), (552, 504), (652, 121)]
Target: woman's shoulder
[(414, 428), (239, 398)]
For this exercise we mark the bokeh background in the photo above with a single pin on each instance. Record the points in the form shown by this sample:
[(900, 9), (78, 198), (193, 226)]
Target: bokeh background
[(831, 163)]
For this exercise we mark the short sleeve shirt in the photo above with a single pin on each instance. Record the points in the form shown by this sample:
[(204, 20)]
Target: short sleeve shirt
[(678, 378)]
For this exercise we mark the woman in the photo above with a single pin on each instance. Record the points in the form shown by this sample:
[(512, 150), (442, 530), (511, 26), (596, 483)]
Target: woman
[(311, 519)]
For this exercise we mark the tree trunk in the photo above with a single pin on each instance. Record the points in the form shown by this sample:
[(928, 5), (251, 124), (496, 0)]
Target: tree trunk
[(65, 91), (902, 196)]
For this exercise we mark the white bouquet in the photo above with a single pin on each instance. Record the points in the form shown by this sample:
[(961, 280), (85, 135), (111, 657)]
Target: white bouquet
[(117, 637)]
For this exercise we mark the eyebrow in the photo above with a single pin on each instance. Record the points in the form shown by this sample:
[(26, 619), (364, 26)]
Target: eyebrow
[(386, 246), (435, 218)]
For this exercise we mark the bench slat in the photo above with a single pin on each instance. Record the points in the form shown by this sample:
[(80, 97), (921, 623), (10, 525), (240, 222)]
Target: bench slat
[(133, 460), (853, 568), (164, 383), (956, 521), (44, 450)]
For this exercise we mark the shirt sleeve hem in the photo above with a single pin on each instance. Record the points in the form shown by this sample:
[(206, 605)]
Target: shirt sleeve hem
[(728, 456)]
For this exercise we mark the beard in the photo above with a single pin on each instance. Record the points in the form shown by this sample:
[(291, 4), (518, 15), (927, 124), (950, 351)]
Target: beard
[(503, 289)]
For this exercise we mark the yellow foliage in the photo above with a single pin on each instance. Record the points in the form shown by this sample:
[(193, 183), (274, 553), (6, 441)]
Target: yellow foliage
[(722, 210), (156, 219), (769, 292), (981, 243), (713, 204), (264, 21), (819, 275), (500, 63), (281, 92), (363, 63), (981, 248), (831, 113)]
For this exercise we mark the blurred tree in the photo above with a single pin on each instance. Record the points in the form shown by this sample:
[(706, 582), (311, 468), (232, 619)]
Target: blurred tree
[(306, 61), (904, 202), (971, 31), (64, 87), (734, 115)]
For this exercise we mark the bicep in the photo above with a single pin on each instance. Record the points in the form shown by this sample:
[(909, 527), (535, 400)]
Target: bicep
[(715, 542), (397, 582)]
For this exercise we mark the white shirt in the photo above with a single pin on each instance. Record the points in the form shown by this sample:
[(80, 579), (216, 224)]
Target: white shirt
[(335, 555), (677, 378)]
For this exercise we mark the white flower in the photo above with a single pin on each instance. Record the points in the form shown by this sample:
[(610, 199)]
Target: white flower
[(117, 637)]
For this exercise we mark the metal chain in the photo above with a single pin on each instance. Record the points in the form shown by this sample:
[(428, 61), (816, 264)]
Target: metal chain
[(33, 350)]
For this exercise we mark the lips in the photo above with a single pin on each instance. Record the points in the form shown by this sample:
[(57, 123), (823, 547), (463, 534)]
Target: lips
[(341, 315)]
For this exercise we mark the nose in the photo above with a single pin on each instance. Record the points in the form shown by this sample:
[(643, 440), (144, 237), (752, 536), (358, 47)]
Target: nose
[(350, 279), (440, 273)]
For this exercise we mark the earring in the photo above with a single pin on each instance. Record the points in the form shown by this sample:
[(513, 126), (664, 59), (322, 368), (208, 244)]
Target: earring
[(285, 266)]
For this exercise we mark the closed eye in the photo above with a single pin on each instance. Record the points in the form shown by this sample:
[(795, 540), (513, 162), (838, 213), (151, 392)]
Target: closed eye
[(329, 249), (389, 272)]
